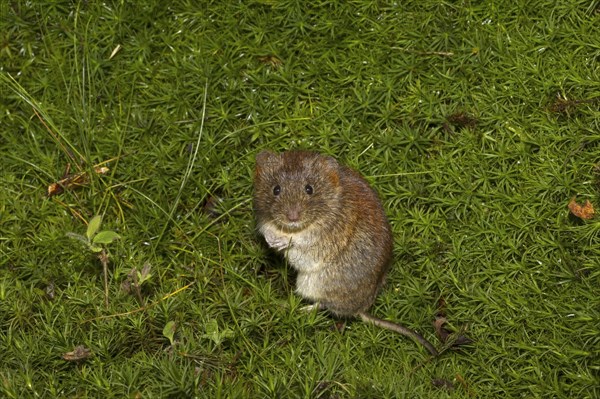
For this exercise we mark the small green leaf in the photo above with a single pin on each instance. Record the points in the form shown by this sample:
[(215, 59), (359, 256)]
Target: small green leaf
[(93, 226), (145, 273), (78, 237), (216, 335), (212, 328), (169, 331), (105, 237), (95, 248), (142, 278)]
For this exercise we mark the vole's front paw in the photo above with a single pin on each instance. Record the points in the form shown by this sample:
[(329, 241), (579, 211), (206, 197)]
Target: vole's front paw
[(277, 242)]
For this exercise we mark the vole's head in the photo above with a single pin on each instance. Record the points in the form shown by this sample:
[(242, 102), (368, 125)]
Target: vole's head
[(295, 189)]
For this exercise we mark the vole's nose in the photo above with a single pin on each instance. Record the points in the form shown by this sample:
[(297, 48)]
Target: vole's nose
[(293, 214)]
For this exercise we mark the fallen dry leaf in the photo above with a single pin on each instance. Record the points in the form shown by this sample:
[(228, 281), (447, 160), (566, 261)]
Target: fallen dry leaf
[(459, 120), (563, 105), (462, 119), (71, 181), (440, 331), (211, 205), (271, 60), (585, 211), (79, 353), (454, 340)]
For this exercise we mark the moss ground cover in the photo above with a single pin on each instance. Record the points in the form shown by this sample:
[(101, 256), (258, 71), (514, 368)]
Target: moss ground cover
[(477, 122)]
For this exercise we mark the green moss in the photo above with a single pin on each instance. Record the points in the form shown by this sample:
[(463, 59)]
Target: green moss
[(477, 123)]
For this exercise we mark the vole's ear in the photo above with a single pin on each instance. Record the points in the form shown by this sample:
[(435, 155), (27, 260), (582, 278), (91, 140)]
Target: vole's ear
[(264, 160), (328, 162), (264, 156), (331, 169)]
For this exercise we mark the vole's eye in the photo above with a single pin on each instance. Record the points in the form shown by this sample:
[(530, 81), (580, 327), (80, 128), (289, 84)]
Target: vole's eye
[(308, 189), (277, 190)]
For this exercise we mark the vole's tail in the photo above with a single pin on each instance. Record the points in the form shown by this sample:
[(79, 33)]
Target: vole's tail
[(399, 329)]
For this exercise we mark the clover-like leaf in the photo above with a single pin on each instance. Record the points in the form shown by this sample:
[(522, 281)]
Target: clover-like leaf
[(169, 331), (145, 273), (216, 335), (78, 237), (95, 248), (93, 226), (105, 237)]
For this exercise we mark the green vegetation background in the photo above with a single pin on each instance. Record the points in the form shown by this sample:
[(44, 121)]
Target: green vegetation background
[(477, 122)]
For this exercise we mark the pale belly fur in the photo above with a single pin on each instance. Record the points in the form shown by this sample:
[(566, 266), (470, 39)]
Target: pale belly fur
[(300, 251)]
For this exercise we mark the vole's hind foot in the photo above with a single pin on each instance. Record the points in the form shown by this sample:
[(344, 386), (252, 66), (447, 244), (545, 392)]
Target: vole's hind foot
[(314, 307), (339, 325)]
